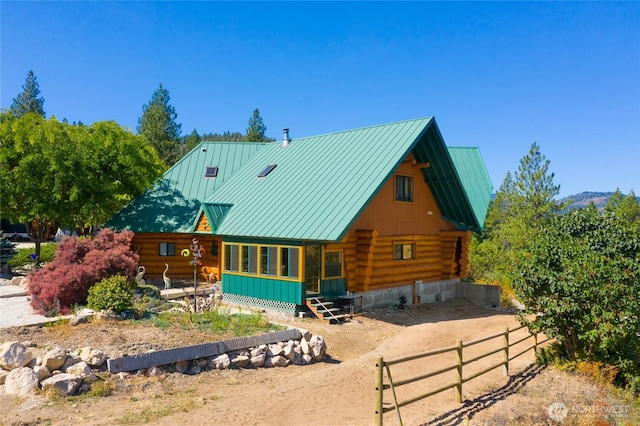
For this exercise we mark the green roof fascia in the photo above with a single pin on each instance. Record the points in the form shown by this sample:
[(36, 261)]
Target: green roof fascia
[(174, 202), (474, 178), (320, 184)]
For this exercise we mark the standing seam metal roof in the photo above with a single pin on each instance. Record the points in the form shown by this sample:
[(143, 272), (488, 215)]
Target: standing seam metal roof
[(321, 184)]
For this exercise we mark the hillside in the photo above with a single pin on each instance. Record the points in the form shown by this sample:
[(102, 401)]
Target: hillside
[(583, 199)]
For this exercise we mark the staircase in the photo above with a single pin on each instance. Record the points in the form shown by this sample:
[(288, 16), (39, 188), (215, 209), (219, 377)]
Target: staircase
[(325, 311)]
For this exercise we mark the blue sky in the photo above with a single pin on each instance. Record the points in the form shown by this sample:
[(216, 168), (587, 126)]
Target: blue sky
[(495, 75)]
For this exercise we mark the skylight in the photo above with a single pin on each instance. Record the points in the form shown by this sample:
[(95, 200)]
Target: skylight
[(211, 172), (267, 170)]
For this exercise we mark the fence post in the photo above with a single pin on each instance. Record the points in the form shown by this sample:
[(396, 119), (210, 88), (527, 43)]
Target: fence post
[(534, 337), (505, 342), (459, 371), (379, 391)]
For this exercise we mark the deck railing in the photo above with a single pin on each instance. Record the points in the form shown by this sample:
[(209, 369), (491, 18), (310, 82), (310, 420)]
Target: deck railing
[(381, 366)]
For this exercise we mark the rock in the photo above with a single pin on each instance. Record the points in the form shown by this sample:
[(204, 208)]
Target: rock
[(182, 366), (318, 348), (16, 280), (21, 381), (221, 362), (65, 384), (307, 359), (276, 361), (274, 350), (153, 371), (93, 357), (201, 362), (82, 317), (240, 361), (304, 345), (195, 370), (3, 375), (69, 361), (258, 351), (289, 350), (54, 359), (25, 283), (42, 372), (14, 355), (83, 371), (258, 360)]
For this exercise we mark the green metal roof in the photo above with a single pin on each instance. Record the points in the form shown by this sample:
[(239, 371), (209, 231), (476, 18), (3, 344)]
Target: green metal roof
[(321, 184), (173, 203), (475, 180)]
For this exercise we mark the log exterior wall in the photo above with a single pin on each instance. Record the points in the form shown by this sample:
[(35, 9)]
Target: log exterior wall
[(441, 251), (147, 246)]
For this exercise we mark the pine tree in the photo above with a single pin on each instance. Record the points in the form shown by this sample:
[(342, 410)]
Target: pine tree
[(256, 129), (28, 101), (158, 126)]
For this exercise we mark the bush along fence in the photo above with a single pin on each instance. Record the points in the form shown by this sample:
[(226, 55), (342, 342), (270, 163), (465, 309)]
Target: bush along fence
[(382, 366)]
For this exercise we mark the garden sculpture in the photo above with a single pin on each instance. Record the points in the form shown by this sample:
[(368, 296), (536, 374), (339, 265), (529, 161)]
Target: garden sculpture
[(167, 280)]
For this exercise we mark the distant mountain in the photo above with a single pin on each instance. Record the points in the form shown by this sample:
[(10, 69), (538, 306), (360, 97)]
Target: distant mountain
[(582, 200)]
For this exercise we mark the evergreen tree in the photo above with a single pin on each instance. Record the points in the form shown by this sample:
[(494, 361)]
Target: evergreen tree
[(28, 100), (191, 141), (627, 207), (158, 126), (256, 129)]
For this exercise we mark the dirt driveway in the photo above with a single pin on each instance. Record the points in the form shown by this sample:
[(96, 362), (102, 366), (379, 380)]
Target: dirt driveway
[(337, 392)]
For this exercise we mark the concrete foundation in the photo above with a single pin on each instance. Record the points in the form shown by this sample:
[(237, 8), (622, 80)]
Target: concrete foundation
[(438, 291)]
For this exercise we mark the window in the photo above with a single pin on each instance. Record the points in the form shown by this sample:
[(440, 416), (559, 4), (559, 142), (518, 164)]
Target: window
[(289, 262), (404, 251), (268, 260), (333, 264), (404, 188), (267, 170), (249, 259), (167, 249), (231, 258), (211, 172)]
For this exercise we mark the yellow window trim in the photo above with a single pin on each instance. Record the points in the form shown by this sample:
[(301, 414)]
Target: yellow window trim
[(324, 253), (258, 274)]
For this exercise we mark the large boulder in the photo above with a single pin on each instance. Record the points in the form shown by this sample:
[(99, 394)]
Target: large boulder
[(221, 362), (318, 348), (21, 382), (14, 355), (65, 384), (54, 359), (82, 370), (92, 357)]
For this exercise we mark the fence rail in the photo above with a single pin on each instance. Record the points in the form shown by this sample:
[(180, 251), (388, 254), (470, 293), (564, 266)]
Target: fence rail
[(383, 366)]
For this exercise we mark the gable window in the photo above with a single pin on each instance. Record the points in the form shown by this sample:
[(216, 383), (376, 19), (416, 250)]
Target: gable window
[(167, 249), (267, 170), (249, 259), (332, 264), (231, 258), (404, 188), (289, 262), (268, 260), (404, 251), (211, 172)]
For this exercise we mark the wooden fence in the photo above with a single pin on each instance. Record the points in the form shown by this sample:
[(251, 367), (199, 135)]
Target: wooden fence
[(460, 363)]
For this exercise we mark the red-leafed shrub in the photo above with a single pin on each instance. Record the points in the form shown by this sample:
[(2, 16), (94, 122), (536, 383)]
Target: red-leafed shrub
[(78, 264)]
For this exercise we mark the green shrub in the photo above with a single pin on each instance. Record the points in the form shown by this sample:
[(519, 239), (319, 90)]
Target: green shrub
[(23, 257), (113, 293)]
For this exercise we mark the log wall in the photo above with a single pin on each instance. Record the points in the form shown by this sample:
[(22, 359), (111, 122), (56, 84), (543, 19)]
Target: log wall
[(147, 246)]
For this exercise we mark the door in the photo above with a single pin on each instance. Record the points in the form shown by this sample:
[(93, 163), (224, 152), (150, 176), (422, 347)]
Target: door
[(312, 267)]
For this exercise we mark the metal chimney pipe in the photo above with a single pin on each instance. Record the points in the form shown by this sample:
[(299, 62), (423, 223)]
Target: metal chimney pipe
[(286, 140)]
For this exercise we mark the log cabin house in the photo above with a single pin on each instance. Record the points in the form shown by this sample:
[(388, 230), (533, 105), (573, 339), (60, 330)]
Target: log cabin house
[(362, 211)]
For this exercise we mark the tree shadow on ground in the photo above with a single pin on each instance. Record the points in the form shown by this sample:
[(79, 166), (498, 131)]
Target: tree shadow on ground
[(471, 407)]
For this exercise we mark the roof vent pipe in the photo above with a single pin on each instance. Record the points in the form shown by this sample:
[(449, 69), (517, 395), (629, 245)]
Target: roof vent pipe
[(286, 140)]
